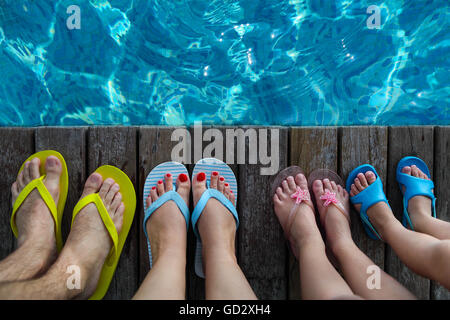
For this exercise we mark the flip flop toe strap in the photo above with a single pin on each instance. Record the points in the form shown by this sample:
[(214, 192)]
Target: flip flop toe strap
[(45, 195), (106, 218), (201, 204), (329, 198)]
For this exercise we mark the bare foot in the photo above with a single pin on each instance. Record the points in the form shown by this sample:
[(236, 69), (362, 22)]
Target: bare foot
[(298, 226), (335, 222), (89, 242), (216, 225), (166, 227), (34, 220), (419, 207)]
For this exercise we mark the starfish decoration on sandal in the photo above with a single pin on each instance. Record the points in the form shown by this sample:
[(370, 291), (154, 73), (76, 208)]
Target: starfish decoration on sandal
[(300, 195), (329, 197)]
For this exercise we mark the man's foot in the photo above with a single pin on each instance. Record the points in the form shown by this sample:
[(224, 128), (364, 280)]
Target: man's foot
[(89, 242), (216, 225), (166, 227), (380, 214), (34, 220), (335, 221), (419, 207), (301, 225)]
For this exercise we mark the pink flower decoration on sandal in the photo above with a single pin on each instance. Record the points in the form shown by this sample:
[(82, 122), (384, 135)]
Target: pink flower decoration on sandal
[(329, 197), (300, 195)]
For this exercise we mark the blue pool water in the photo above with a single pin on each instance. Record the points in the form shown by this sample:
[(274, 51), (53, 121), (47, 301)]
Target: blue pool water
[(173, 62)]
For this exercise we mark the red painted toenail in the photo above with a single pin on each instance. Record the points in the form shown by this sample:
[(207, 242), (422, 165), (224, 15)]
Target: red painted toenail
[(215, 173), (222, 178), (153, 188), (231, 191), (160, 181), (226, 184), (201, 176), (183, 177), (168, 175)]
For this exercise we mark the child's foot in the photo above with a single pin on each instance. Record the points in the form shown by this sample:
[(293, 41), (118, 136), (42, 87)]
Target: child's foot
[(419, 207), (216, 225), (336, 220), (380, 214), (166, 227), (298, 225)]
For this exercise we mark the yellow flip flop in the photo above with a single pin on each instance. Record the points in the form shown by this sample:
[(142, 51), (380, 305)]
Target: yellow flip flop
[(129, 200), (56, 210)]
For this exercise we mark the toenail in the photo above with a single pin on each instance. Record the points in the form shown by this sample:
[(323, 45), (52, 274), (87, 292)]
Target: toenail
[(160, 181), (168, 175), (183, 177), (226, 184), (215, 173), (222, 179), (153, 188), (201, 176)]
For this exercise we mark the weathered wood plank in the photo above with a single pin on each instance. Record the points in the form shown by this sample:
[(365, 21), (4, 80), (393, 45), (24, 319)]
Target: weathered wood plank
[(311, 148), (155, 147), (71, 143), (16, 144), (262, 249), (405, 141), (117, 146), (442, 191), (361, 145)]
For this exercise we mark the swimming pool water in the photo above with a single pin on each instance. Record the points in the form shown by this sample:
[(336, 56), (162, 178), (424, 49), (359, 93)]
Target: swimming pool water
[(259, 62)]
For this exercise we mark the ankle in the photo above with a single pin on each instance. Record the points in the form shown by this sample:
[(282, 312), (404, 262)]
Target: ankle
[(219, 253), (342, 247)]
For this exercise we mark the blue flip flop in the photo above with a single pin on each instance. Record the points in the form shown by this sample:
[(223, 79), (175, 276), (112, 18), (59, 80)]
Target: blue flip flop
[(208, 165), (158, 173), (414, 186), (368, 197)]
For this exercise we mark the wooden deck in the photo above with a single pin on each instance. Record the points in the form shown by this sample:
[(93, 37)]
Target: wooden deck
[(261, 249)]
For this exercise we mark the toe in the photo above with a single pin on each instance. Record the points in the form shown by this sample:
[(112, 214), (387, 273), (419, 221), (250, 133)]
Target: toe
[(154, 194), (301, 181), (214, 179), (148, 201), (54, 168), (291, 183), (231, 197), (334, 186), (406, 170), (107, 184), (281, 194), (358, 185), (111, 194), (318, 188), (353, 190), (26, 173), (20, 180), (276, 200), (160, 188), (370, 177), (14, 191), (34, 168), (200, 180), (117, 200), (362, 179), (414, 171), (221, 184), (183, 187), (93, 184), (285, 187), (168, 181), (327, 184)]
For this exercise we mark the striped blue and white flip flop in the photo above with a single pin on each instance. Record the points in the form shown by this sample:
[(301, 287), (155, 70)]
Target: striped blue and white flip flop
[(208, 165), (158, 173)]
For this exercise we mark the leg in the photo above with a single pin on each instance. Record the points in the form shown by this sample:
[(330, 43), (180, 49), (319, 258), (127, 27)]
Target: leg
[(430, 257), (419, 209), (352, 261), (87, 247), (167, 232), (36, 249), (217, 228), (318, 278)]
